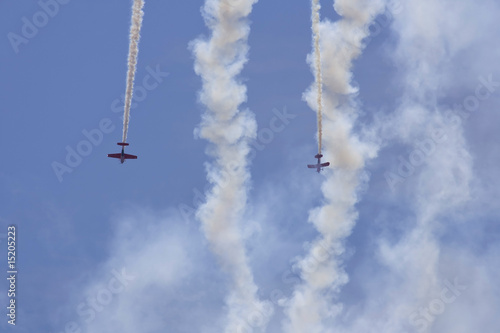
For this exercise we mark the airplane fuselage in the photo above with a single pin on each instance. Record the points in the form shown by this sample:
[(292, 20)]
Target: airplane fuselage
[(319, 165)]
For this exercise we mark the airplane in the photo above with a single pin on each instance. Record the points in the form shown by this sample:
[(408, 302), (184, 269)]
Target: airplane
[(320, 165), (122, 156)]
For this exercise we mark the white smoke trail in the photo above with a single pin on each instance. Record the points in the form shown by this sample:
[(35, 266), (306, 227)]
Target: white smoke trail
[(321, 269), (218, 61), (317, 52), (135, 34)]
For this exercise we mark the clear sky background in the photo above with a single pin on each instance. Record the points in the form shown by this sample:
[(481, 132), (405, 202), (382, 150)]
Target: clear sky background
[(75, 231)]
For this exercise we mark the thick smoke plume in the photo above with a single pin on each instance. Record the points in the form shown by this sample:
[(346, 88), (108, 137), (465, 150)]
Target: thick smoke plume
[(218, 61), (321, 269), (135, 34)]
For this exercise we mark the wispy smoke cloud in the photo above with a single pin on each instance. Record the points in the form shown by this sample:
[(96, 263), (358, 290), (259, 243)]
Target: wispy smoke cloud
[(418, 265), (218, 61), (135, 34), (443, 183)]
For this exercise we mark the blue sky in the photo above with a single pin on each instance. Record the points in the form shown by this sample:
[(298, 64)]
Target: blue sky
[(76, 231)]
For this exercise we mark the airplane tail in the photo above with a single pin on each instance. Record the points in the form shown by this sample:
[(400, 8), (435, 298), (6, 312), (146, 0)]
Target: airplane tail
[(122, 144)]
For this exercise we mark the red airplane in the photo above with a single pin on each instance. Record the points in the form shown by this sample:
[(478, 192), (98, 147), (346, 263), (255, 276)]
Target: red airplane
[(320, 165), (122, 156)]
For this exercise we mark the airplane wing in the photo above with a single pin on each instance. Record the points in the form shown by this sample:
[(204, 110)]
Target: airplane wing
[(324, 164), (129, 157), (311, 166), (115, 155)]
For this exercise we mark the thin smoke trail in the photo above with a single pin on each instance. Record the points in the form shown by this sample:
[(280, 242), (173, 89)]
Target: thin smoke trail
[(219, 60), (135, 34), (321, 269), (315, 27)]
